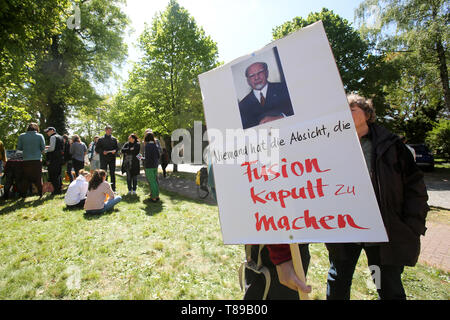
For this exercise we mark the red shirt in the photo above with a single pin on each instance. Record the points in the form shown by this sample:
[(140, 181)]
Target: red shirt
[(279, 253)]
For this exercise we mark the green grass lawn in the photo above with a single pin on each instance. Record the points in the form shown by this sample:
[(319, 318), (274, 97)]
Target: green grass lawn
[(143, 250)]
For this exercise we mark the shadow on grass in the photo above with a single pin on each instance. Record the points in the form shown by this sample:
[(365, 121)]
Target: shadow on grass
[(128, 198), (181, 175), (74, 208), (95, 216), (175, 197), (20, 203), (152, 208)]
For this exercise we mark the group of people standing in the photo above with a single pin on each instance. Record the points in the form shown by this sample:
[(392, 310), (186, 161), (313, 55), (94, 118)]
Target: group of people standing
[(32, 145), (132, 152), (89, 190)]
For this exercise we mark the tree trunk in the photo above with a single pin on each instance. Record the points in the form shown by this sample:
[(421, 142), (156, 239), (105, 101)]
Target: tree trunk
[(57, 117), (55, 68), (443, 73)]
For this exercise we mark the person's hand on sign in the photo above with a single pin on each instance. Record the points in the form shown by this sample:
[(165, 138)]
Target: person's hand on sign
[(288, 277)]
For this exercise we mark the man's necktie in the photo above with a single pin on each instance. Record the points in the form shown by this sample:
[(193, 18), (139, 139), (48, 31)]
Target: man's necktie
[(262, 100)]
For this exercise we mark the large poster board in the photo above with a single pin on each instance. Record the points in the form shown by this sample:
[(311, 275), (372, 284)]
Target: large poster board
[(288, 166)]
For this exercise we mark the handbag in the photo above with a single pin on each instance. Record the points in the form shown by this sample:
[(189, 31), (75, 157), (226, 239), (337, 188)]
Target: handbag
[(126, 164), (47, 187)]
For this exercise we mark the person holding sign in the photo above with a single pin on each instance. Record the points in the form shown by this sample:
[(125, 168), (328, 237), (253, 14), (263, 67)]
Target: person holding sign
[(269, 272), (402, 198), (267, 101), (107, 147), (296, 195)]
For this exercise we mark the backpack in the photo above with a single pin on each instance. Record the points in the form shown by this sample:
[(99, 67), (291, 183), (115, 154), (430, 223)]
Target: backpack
[(202, 177)]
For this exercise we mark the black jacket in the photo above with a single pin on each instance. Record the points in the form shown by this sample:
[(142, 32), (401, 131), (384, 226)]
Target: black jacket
[(277, 102), (151, 155), (130, 161), (402, 198), (57, 155), (67, 155), (107, 143)]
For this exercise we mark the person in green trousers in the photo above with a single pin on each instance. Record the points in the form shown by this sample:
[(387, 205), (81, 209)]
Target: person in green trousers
[(151, 165)]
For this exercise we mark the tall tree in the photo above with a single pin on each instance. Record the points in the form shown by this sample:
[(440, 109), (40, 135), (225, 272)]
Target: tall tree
[(77, 58), (55, 52), (415, 99), (176, 51), (26, 27), (163, 91), (420, 28), (361, 71)]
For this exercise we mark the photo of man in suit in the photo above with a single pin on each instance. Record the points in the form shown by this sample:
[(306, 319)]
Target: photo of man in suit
[(267, 101)]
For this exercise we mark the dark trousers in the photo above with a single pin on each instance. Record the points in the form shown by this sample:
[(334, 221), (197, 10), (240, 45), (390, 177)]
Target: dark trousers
[(111, 163), (77, 166), (342, 266), (54, 175), (69, 170), (256, 283), (31, 173), (79, 205), (164, 166), (131, 181)]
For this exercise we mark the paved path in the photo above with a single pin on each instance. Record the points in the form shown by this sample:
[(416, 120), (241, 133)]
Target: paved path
[(435, 246), (185, 187), (438, 188)]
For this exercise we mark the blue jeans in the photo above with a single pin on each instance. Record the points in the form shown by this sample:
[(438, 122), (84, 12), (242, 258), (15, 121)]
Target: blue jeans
[(342, 266), (109, 205)]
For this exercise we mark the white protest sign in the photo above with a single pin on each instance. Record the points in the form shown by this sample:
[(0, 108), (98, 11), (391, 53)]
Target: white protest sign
[(288, 167)]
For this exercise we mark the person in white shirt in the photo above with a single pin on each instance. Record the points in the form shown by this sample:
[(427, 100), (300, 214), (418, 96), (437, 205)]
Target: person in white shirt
[(77, 190)]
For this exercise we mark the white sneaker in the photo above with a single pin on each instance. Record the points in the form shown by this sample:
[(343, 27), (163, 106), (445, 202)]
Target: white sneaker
[(134, 192), (130, 193)]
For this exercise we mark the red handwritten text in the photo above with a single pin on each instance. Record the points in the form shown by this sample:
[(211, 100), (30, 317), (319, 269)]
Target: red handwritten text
[(294, 193), (305, 221), (296, 168)]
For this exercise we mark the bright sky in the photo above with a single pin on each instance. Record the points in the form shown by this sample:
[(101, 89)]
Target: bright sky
[(238, 27)]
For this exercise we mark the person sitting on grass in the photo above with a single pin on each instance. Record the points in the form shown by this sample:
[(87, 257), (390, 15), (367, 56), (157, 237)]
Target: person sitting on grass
[(76, 192), (98, 190)]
